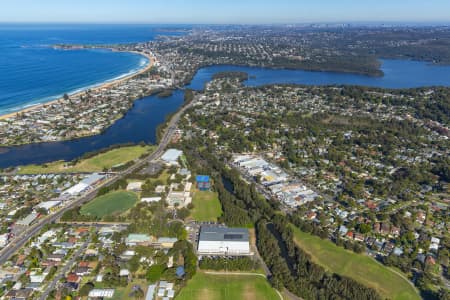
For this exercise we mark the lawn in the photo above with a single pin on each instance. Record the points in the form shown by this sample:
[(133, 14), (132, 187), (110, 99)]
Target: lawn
[(110, 204), (357, 266), (225, 287), (94, 164), (124, 292), (207, 206)]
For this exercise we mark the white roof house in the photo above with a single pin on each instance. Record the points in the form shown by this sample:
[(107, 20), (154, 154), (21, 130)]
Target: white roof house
[(150, 292), (435, 240), (4, 240), (151, 199), (101, 293), (37, 278), (161, 292), (170, 293)]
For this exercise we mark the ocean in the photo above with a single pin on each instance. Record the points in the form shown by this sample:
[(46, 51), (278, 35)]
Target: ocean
[(32, 72)]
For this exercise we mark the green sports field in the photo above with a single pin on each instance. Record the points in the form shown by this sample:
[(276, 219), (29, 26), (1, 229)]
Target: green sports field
[(357, 266), (110, 204), (94, 164), (207, 206), (227, 287)]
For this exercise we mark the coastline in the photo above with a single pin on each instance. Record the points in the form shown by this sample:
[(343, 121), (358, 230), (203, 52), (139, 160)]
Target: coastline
[(100, 86)]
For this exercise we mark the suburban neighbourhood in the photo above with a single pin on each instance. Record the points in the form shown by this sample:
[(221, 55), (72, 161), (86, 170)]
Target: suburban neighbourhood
[(279, 191)]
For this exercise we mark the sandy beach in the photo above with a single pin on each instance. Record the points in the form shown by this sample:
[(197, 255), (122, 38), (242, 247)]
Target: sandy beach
[(96, 88)]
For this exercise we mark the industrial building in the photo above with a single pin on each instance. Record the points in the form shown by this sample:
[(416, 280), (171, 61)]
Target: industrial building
[(86, 184), (215, 240), (28, 220)]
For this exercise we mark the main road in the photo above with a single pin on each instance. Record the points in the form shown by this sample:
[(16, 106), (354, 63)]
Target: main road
[(19, 241)]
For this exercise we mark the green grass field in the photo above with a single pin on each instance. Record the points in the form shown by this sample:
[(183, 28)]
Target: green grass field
[(94, 164), (225, 287), (207, 206), (357, 266), (110, 204), (124, 292)]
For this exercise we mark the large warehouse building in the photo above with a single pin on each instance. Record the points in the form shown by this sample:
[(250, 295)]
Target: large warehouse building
[(216, 240)]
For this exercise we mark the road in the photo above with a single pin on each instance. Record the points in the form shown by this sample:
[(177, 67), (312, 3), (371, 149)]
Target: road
[(30, 232), (63, 271)]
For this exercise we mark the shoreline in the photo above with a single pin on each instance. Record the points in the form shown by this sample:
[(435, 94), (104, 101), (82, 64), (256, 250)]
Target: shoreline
[(96, 87)]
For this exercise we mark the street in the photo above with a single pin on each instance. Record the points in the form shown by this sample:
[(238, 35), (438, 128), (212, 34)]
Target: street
[(30, 232), (63, 271)]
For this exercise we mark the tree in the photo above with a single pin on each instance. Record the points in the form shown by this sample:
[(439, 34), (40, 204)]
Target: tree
[(365, 228), (139, 293), (85, 289), (183, 213), (155, 272), (133, 264)]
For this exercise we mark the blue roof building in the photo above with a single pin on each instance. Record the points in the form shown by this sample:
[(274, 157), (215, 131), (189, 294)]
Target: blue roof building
[(180, 271), (203, 182)]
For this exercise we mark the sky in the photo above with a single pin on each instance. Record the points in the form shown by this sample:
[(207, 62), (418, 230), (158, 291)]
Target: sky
[(224, 11)]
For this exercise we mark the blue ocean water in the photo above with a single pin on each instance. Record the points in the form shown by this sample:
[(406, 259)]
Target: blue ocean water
[(32, 72)]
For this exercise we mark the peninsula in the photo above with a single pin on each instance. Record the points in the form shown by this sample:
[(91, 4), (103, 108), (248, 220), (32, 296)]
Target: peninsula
[(85, 113)]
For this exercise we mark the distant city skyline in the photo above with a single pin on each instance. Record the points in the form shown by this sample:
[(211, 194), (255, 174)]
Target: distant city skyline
[(225, 12)]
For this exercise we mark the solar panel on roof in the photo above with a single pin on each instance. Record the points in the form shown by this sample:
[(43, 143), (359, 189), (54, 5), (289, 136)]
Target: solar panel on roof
[(232, 236)]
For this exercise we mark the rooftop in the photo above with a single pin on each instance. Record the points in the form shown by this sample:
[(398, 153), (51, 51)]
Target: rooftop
[(171, 155), (214, 233), (202, 178)]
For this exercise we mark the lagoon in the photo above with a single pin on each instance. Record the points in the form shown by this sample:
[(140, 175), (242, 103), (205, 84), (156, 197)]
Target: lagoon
[(140, 123)]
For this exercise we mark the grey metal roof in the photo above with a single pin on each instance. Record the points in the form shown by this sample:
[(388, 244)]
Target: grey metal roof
[(214, 233), (91, 179)]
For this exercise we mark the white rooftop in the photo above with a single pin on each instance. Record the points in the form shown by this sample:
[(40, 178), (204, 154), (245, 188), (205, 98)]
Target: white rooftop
[(101, 293), (171, 155)]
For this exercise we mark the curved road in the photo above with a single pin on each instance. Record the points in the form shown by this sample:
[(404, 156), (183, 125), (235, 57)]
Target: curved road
[(30, 232)]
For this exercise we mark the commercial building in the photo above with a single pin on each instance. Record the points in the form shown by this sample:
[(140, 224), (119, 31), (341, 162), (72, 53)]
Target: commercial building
[(28, 220), (48, 205), (138, 239), (84, 185), (171, 156), (216, 240)]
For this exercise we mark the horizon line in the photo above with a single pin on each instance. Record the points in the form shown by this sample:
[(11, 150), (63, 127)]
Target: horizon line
[(435, 23)]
